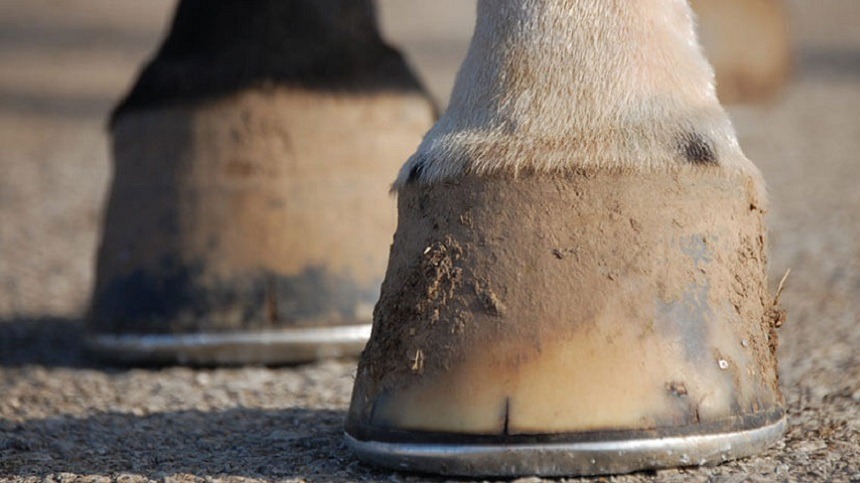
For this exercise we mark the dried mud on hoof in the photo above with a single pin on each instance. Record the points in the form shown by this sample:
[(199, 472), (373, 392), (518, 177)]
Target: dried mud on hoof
[(572, 316)]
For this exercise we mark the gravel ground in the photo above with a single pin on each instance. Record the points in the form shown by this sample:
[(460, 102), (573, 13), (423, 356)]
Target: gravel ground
[(64, 417)]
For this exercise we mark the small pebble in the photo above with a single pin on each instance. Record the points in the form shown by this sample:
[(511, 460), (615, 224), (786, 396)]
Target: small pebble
[(202, 379)]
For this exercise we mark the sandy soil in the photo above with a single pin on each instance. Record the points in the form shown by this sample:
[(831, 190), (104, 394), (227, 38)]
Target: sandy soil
[(64, 417)]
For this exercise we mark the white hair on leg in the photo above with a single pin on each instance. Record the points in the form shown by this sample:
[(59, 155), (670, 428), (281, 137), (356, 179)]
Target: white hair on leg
[(554, 85)]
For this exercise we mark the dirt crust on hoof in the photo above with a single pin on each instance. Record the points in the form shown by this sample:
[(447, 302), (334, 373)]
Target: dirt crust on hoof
[(568, 304)]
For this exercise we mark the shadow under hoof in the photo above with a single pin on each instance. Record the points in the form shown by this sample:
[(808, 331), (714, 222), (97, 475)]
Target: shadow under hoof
[(48, 341)]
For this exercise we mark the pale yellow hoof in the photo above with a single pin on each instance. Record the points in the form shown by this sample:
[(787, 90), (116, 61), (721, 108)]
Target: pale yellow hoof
[(596, 306)]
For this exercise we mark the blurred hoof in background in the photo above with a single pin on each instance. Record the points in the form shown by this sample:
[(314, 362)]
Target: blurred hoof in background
[(748, 43), (249, 217)]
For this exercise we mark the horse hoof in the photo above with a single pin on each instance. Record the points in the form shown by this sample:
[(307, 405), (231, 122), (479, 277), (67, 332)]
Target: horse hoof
[(594, 322)]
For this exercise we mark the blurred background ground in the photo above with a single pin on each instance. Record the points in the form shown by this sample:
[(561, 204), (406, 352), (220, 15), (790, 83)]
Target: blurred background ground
[(63, 417)]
